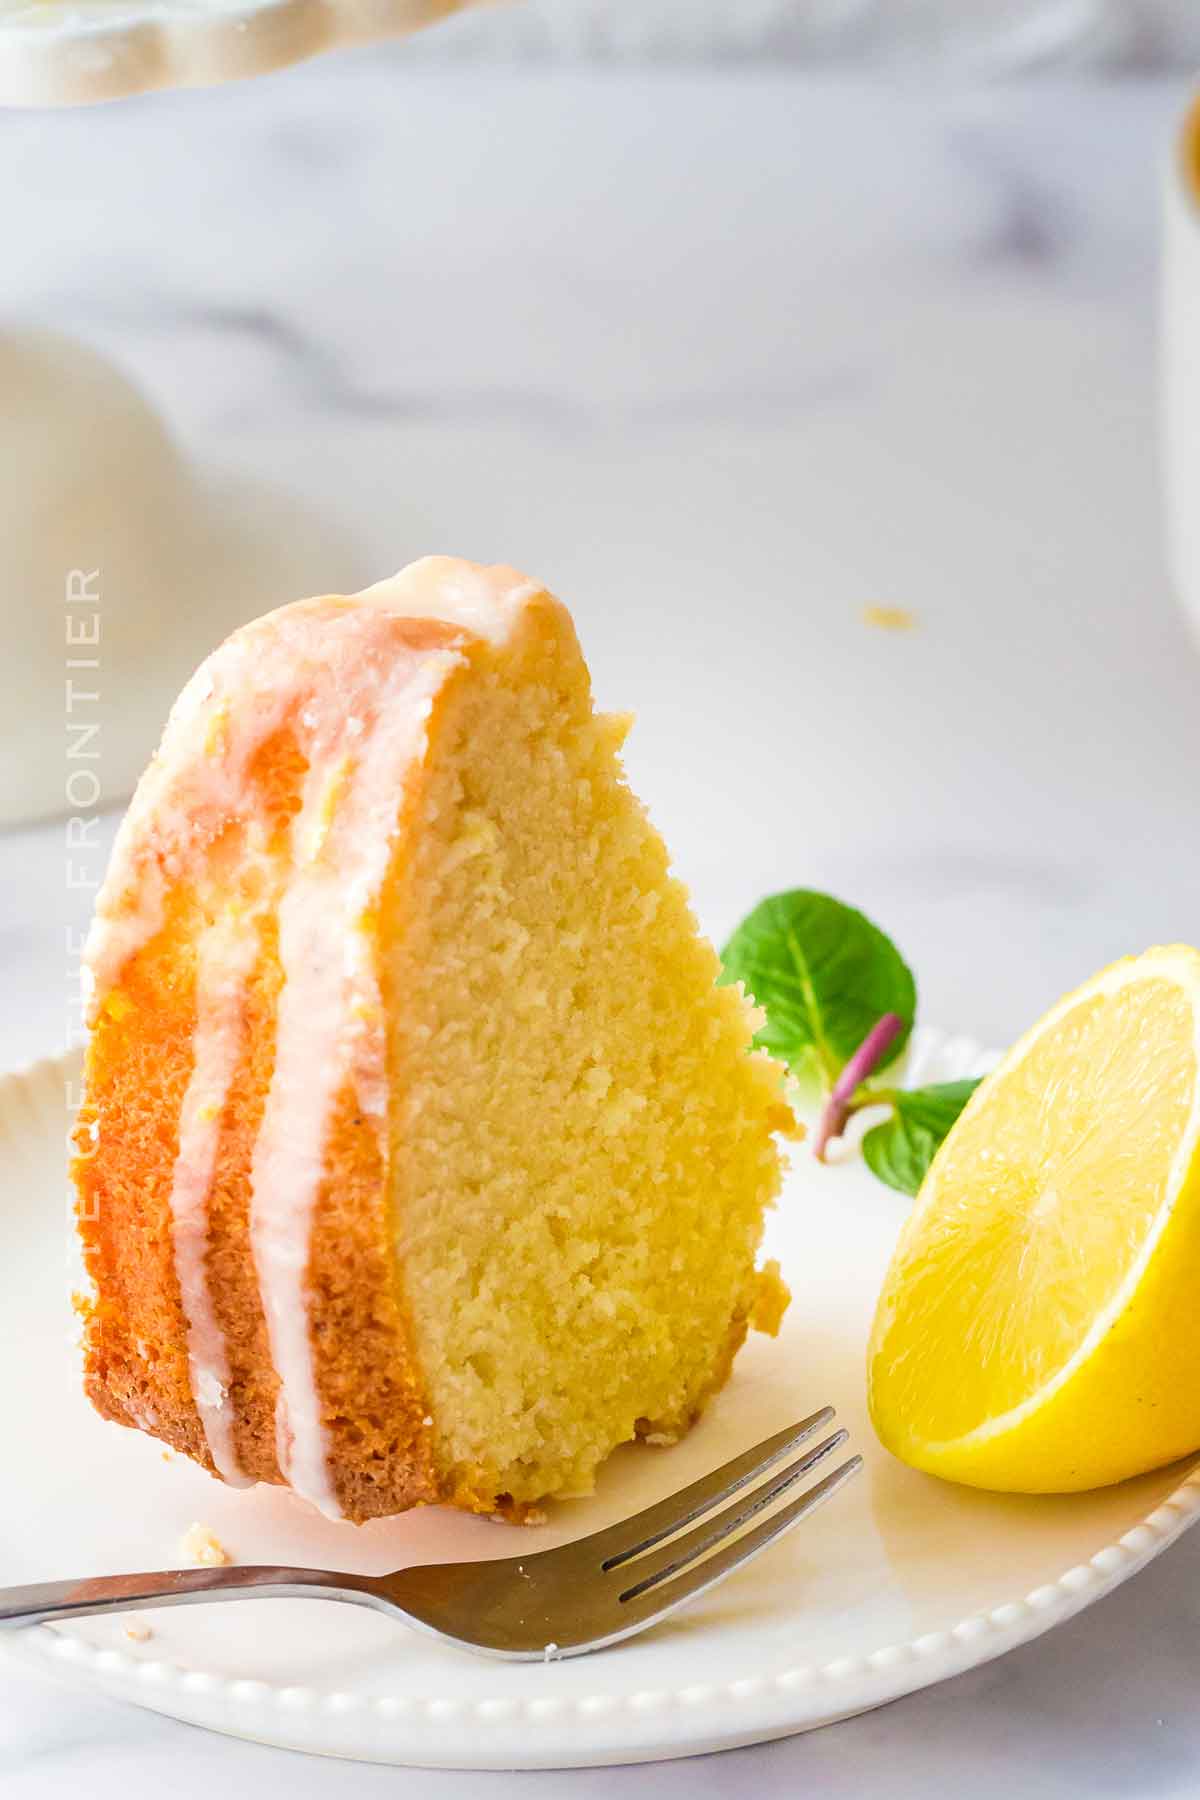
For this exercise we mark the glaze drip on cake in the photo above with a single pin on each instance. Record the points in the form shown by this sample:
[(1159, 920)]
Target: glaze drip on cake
[(357, 1069), (224, 956)]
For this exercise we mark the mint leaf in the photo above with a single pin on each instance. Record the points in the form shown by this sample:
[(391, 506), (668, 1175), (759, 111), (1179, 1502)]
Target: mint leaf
[(824, 975), (901, 1149)]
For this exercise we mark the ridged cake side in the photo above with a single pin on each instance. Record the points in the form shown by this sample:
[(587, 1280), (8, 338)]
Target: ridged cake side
[(233, 1200), (308, 925)]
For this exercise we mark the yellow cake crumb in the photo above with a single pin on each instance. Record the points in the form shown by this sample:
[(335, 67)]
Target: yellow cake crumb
[(200, 1544), (138, 1632), (771, 1300), (889, 618)]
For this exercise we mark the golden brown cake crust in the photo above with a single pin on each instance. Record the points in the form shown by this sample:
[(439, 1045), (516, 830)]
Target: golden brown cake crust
[(374, 1404), (136, 1370), (136, 1367), (233, 1283), (140, 1059)]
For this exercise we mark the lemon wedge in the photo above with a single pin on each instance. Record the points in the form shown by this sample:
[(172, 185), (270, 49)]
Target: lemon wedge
[(1039, 1326)]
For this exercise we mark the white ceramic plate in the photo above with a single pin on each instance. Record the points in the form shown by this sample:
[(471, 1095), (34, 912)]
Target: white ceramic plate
[(75, 52), (899, 1582)]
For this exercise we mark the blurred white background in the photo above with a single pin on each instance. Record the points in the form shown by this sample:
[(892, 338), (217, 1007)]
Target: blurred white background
[(726, 357), (991, 35)]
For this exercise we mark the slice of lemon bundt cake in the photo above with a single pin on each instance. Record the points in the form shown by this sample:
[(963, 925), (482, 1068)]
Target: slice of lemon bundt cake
[(421, 1157)]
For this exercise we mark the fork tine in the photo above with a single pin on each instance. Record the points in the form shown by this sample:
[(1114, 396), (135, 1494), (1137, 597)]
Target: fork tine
[(676, 1555), (690, 1503), (656, 1602)]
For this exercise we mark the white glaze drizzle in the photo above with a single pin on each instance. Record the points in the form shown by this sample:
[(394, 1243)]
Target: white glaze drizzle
[(358, 702), (185, 797), (330, 1023), (225, 959), (484, 601)]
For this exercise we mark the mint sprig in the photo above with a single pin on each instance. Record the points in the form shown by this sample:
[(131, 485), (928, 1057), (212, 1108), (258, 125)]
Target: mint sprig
[(849, 1092), (840, 1002), (824, 976), (901, 1149)]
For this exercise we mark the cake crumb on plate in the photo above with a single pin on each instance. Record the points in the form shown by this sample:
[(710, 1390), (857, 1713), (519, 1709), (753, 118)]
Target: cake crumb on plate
[(771, 1299), (200, 1544), (889, 618), (137, 1631)]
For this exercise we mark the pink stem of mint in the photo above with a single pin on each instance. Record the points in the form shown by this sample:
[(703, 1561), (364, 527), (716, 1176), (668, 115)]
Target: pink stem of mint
[(864, 1062)]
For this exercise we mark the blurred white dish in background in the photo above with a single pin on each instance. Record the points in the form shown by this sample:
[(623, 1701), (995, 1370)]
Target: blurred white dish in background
[(74, 52), (104, 524), (972, 37), (1181, 361)]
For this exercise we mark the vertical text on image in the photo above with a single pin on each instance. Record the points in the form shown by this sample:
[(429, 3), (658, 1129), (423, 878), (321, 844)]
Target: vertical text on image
[(83, 790)]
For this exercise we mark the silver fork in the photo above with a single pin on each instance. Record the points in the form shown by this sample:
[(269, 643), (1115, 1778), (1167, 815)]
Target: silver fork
[(539, 1606)]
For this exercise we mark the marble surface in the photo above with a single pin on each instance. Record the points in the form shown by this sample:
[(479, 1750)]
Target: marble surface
[(726, 360)]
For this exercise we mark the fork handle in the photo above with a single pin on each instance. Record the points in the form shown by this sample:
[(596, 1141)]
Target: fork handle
[(48, 1600)]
